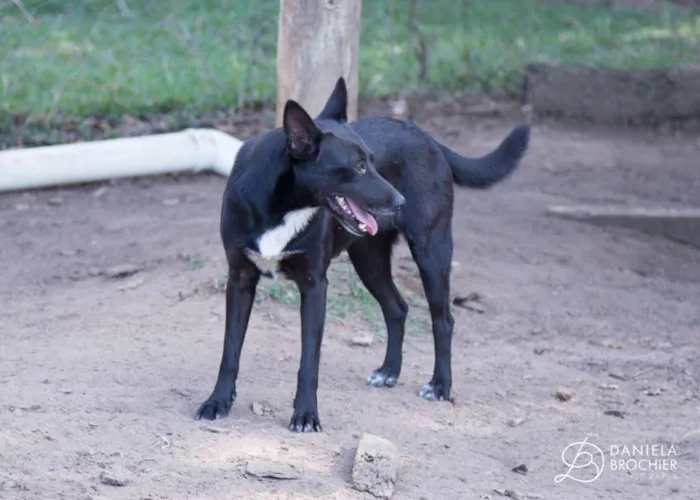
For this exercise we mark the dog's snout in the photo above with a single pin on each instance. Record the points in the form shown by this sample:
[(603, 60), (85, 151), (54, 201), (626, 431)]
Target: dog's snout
[(399, 201)]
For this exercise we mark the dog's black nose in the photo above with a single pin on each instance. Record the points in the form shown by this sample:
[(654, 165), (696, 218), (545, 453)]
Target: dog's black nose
[(399, 201)]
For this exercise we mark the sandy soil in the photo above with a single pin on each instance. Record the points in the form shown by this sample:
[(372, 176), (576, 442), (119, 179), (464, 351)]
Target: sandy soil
[(104, 375)]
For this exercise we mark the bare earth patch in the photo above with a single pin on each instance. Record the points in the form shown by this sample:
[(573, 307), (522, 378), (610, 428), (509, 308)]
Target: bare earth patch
[(101, 371)]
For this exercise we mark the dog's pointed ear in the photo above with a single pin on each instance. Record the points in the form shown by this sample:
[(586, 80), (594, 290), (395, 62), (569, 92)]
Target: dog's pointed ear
[(336, 107), (303, 137)]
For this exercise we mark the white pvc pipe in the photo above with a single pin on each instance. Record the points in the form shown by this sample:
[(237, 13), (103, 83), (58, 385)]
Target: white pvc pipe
[(191, 150)]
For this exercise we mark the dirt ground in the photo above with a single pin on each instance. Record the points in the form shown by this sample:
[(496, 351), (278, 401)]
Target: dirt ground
[(101, 374)]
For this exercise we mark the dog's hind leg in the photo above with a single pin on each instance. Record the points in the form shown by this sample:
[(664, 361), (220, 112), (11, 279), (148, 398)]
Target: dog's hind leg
[(371, 258), (431, 248)]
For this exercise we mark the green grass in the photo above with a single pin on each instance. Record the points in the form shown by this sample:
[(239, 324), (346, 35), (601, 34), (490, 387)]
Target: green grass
[(347, 298), (196, 56)]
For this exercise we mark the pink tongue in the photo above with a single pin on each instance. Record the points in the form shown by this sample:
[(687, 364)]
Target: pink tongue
[(363, 216)]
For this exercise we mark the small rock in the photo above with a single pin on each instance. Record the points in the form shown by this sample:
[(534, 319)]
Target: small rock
[(10, 484), (213, 430), (615, 413), (56, 200), (77, 274), (169, 202), (186, 294), (611, 344), (122, 271), (257, 408), (508, 493), (617, 376), (471, 302), (31, 408), (376, 465), (271, 470), (100, 192), (116, 476), (609, 387), (564, 395), (132, 284), (515, 422), (94, 271), (68, 253), (260, 409), (475, 306), (520, 469), (516, 495), (653, 392), (540, 350), (363, 341)]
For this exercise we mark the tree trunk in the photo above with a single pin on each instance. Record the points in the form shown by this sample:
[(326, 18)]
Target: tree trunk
[(318, 42)]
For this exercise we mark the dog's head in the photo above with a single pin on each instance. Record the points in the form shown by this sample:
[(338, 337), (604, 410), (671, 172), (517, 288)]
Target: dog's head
[(336, 167)]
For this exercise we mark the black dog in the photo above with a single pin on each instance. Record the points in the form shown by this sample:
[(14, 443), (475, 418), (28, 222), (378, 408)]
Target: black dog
[(301, 194)]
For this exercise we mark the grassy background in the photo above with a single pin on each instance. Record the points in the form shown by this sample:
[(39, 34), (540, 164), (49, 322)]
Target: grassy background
[(79, 59)]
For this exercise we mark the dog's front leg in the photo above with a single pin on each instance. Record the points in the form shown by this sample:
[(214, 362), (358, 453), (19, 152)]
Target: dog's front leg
[(313, 315), (240, 295)]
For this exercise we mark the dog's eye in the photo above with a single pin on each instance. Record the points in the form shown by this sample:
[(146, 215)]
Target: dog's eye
[(361, 167)]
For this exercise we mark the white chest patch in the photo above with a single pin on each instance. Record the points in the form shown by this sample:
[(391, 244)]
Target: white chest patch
[(271, 243)]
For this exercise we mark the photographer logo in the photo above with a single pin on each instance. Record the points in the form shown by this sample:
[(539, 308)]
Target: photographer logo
[(585, 462)]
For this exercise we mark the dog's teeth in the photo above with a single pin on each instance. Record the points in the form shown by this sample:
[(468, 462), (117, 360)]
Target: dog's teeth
[(363, 227), (340, 200)]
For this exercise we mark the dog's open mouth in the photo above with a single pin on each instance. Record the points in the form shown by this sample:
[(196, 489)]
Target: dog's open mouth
[(353, 218)]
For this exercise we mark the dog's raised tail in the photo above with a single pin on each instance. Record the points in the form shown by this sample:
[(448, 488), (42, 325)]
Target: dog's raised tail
[(483, 172)]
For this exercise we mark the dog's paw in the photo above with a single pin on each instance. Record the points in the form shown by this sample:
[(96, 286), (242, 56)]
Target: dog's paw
[(305, 421), (214, 408), (381, 377), (433, 391)]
